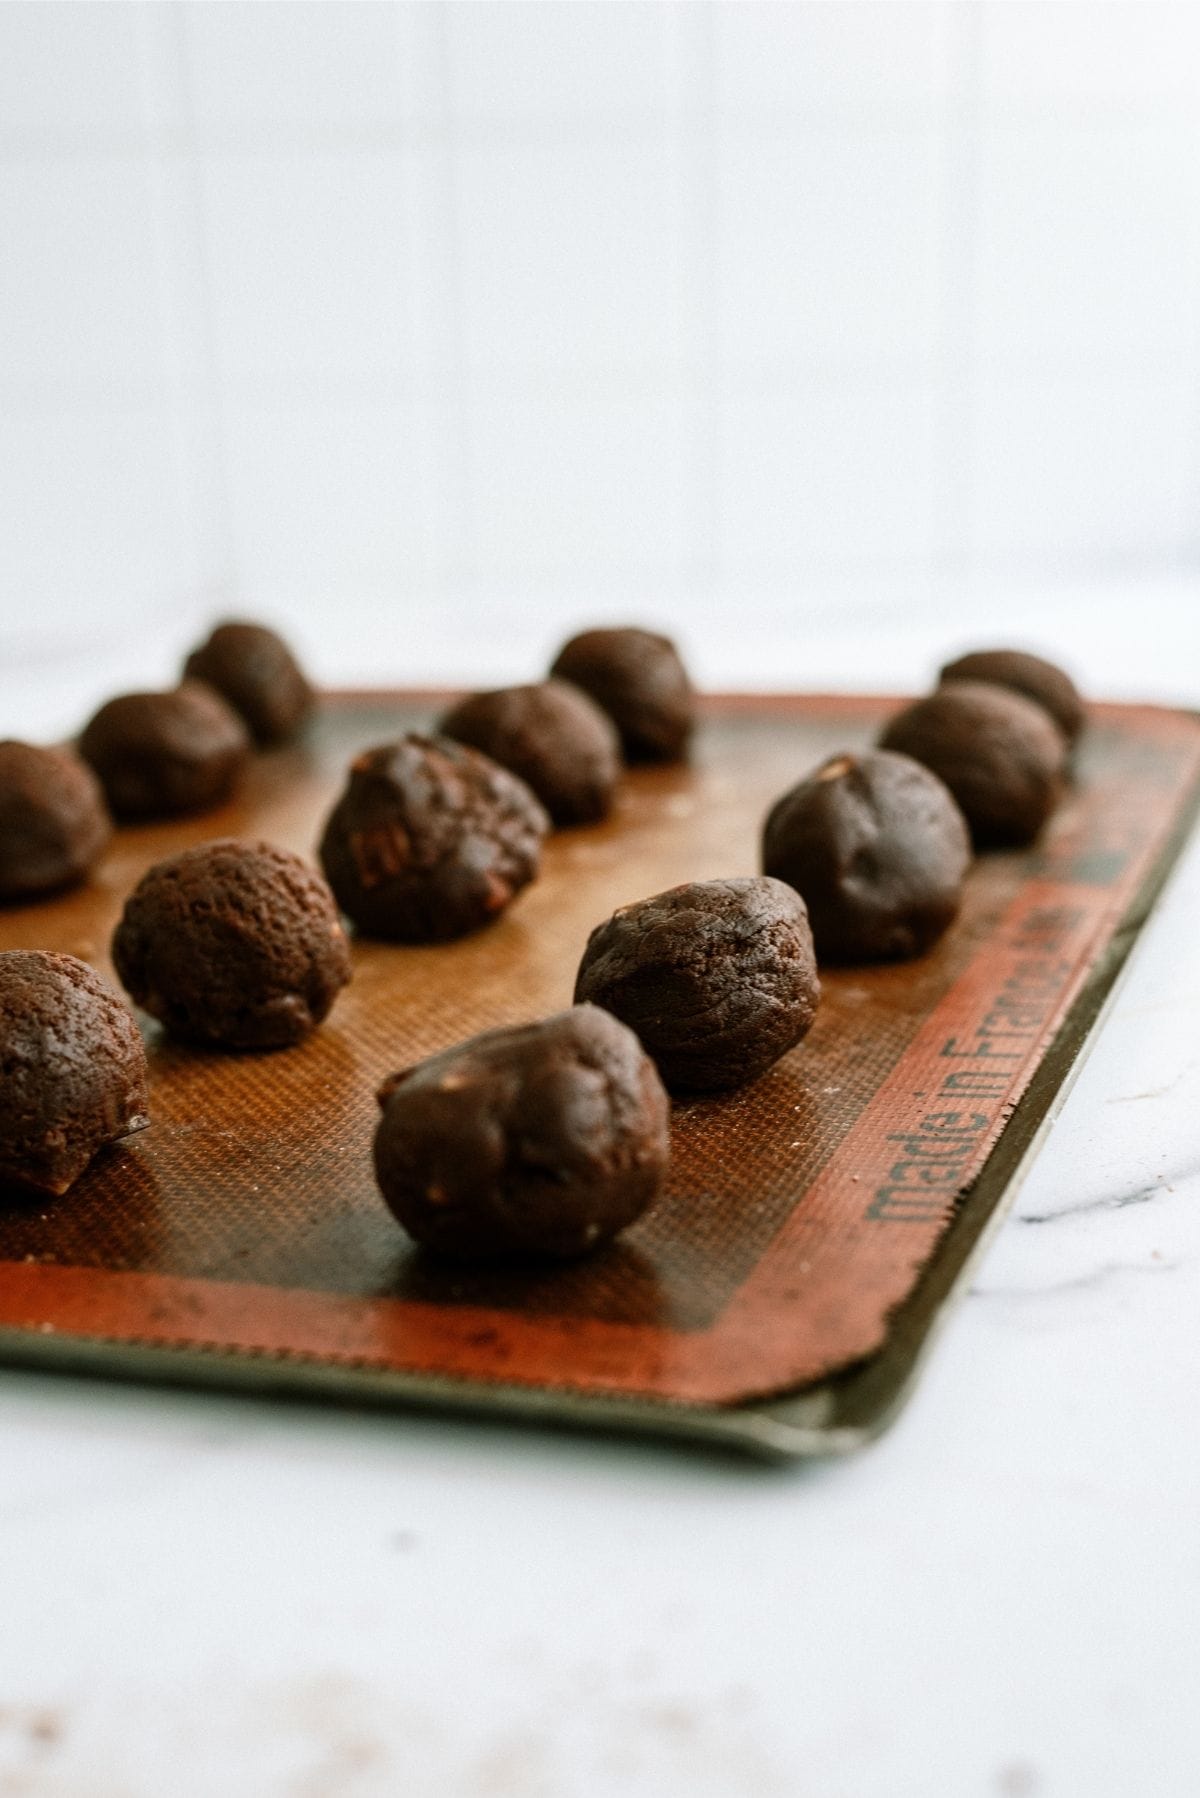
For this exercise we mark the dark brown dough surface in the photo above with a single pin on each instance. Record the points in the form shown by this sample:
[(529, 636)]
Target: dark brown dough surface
[(541, 1140), (717, 978), (253, 669), (72, 1070), (430, 840), (637, 677), (235, 945), (160, 755), (877, 848), (1002, 756), (54, 823), (1020, 672), (553, 736)]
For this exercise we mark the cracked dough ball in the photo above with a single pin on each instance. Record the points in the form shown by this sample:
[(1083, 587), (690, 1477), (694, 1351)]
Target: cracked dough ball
[(878, 849), (72, 1069), (543, 1140), (639, 679), (430, 840), (1051, 686), (256, 673), (235, 945), (551, 735), (1002, 756), (160, 755), (54, 824), (717, 978)]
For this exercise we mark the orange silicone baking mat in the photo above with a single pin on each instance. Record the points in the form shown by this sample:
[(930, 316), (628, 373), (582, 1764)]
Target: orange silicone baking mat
[(244, 1226)]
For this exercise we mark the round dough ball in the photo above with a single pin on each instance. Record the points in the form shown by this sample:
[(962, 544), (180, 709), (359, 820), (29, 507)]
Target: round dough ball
[(72, 1069), (1001, 756), (54, 824), (877, 848), (234, 945), (541, 1141), (717, 978), (256, 673), (160, 755), (638, 678), (430, 840), (1020, 672), (553, 736)]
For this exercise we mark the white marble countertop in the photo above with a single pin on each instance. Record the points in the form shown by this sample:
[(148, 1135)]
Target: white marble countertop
[(203, 1595)]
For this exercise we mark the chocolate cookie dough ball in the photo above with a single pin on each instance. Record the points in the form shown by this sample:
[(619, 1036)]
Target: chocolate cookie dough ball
[(877, 848), (639, 680), (1052, 687), (72, 1070), (54, 823), (256, 673), (540, 1141), (1001, 756), (233, 945), (160, 755), (716, 977), (552, 735), (430, 840)]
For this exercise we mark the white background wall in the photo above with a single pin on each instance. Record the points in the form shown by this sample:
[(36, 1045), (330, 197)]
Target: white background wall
[(433, 330)]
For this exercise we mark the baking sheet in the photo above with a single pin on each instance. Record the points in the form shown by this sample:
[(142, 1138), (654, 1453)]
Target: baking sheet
[(814, 1225)]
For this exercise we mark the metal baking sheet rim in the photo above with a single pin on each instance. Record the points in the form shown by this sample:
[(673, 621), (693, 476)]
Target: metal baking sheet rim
[(837, 1416)]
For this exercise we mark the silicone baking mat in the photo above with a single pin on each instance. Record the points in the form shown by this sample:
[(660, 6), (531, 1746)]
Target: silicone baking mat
[(814, 1224)]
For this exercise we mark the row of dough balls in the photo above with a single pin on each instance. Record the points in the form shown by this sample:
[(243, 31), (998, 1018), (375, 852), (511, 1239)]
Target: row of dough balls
[(612, 693), (696, 990)]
